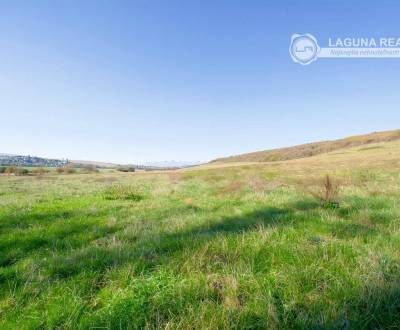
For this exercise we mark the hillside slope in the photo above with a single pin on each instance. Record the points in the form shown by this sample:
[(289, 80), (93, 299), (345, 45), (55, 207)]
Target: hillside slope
[(312, 149)]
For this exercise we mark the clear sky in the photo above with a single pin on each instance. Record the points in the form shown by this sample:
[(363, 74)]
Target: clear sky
[(135, 81)]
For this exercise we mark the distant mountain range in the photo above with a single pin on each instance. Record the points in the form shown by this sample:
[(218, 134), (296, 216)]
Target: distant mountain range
[(172, 163)]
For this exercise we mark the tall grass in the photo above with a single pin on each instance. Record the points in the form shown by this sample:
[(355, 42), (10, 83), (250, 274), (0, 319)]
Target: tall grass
[(195, 251), (122, 192)]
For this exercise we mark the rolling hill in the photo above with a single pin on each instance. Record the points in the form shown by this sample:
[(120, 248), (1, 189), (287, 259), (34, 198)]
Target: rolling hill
[(312, 149)]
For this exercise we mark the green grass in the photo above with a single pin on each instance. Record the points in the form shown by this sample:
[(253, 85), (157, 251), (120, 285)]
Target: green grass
[(239, 247)]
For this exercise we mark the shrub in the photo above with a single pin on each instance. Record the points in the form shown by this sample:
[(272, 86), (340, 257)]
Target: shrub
[(40, 170), (22, 171), (17, 170), (325, 190), (2, 169), (329, 192), (126, 169), (10, 169), (330, 189), (68, 169)]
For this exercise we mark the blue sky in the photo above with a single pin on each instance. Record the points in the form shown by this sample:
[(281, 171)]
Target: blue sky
[(136, 81)]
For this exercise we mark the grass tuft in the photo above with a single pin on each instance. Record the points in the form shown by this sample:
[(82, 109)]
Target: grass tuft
[(122, 192)]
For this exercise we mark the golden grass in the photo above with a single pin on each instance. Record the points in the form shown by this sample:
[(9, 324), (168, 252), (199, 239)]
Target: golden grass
[(312, 149), (379, 155)]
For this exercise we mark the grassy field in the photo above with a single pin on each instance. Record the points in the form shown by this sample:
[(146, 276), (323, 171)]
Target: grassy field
[(215, 247)]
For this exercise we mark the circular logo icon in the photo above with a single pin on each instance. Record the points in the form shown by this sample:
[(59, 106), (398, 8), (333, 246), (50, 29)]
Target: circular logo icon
[(304, 48)]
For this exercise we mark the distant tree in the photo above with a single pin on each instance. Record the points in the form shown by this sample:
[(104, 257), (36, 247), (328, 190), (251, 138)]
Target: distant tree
[(21, 171), (126, 169)]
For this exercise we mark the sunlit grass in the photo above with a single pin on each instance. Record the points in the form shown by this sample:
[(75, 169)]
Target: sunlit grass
[(237, 247)]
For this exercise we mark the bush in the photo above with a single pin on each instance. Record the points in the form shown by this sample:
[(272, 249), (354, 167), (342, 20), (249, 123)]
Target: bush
[(10, 169), (2, 169), (68, 169), (22, 171), (126, 169), (16, 170), (329, 192), (40, 170), (325, 190), (330, 189)]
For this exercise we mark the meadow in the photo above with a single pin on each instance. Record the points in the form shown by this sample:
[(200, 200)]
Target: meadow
[(220, 246)]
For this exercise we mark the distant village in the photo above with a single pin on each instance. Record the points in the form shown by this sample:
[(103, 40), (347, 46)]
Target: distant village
[(31, 161)]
